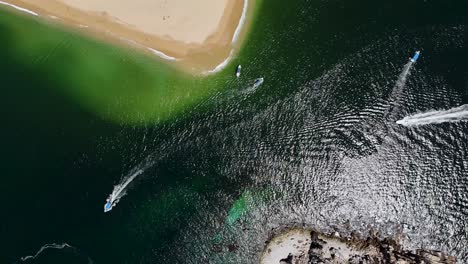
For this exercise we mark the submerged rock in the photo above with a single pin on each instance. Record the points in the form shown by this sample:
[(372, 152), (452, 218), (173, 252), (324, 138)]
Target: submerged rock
[(300, 246)]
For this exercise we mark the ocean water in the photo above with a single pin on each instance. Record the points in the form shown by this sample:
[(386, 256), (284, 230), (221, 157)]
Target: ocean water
[(317, 145)]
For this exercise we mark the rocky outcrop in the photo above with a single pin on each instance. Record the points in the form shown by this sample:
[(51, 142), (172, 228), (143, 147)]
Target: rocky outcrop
[(310, 247)]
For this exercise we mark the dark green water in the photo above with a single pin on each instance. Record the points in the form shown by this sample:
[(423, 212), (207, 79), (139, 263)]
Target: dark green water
[(316, 145)]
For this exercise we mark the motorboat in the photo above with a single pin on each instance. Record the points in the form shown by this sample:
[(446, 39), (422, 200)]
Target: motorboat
[(415, 56), (109, 204), (258, 82), (238, 70)]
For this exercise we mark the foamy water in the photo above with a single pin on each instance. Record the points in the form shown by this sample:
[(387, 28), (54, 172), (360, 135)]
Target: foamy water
[(19, 8), (455, 114), (75, 253)]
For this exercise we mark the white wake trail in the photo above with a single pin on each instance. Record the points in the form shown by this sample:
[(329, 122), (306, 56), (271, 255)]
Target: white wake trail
[(455, 114), (54, 246), (401, 82), (395, 96), (45, 247), (119, 189), (402, 78)]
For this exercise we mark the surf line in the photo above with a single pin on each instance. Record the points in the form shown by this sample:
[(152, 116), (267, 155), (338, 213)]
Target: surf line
[(455, 114), (217, 68), (235, 38), (159, 53), (19, 8)]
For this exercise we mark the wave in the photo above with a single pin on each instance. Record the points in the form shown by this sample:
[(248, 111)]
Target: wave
[(220, 66), (19, 8), (241, 22)]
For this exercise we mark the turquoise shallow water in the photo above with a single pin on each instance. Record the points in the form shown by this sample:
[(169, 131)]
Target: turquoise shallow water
[(118, 85), (316, 145)]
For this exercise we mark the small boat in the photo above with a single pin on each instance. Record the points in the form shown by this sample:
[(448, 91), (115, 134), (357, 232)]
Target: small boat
[(258, 82), (238, 70), (109, 204), (415, 57)]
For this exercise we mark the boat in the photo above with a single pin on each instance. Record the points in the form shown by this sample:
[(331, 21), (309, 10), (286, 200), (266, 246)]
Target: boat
[(109, 204), (416, 56), (258, 82), (238, 70)]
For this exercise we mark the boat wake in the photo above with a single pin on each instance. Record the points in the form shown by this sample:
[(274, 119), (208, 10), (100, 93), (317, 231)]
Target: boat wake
[(401, 82), (54, 246), (436, 117), (402, 78), (45, 247), (395, 96), (119, 190)]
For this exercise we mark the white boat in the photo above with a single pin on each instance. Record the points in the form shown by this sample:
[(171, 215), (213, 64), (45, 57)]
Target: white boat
[(238, 70), (415, 57), (109, 204), (258, 82)]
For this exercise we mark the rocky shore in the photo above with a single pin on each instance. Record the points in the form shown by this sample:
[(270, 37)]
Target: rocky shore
[(300, 246)]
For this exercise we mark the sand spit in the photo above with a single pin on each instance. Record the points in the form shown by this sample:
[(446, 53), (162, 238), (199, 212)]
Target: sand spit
[(199, 36)]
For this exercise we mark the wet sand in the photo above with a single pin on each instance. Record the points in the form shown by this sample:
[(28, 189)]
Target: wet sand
[(197, 35)]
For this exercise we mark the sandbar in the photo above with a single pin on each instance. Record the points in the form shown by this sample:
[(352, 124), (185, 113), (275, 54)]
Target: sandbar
[(196, 35)]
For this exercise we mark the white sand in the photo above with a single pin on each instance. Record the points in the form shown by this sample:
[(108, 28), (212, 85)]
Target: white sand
[(295, 242), (197, 34), (189, 21)]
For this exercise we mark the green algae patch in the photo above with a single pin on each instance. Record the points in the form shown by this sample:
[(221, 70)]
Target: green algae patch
[(249, 200), (114, 83), (240, 207)]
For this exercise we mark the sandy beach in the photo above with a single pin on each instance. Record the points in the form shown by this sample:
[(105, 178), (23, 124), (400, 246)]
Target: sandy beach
[(197, 35)]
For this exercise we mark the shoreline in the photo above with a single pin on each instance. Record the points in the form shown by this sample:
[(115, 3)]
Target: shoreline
[(210, 56), (19, 8), (303, 245), (235, 40)]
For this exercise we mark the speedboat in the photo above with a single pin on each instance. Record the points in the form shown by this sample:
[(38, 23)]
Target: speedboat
[(109, 204), (238, 70), (258, 82), (415, 57)]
